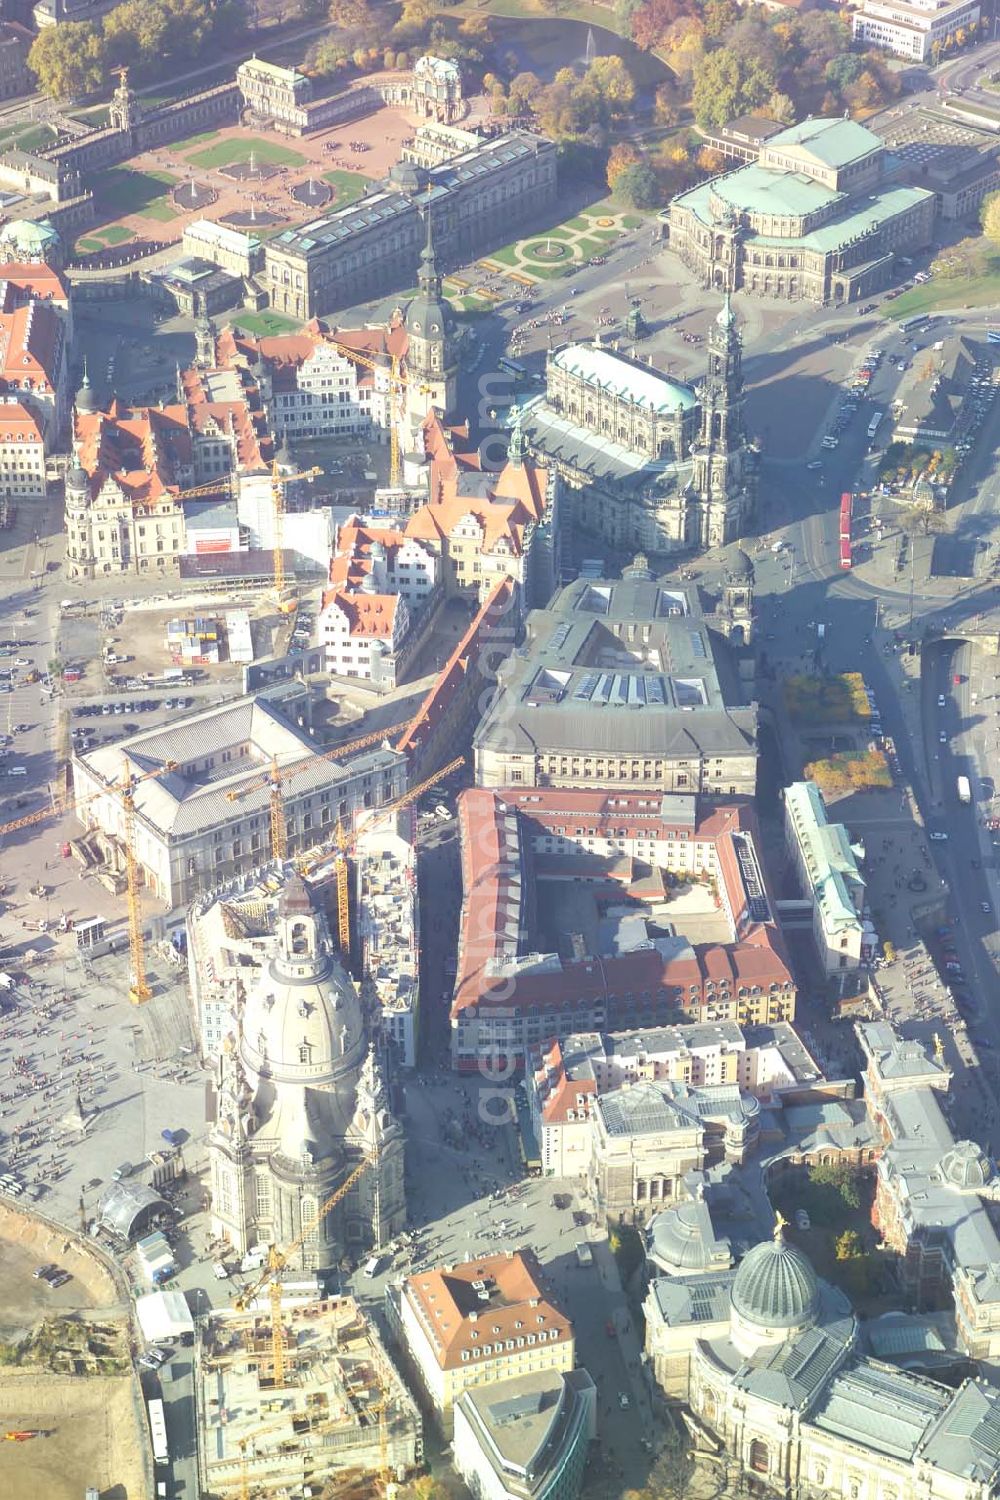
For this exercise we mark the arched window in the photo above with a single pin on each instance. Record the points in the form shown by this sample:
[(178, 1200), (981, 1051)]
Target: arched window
[(759, 1457), (300, 938)]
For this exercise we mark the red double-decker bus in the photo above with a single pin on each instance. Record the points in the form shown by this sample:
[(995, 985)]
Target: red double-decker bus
[(845, 553), (846, 504)]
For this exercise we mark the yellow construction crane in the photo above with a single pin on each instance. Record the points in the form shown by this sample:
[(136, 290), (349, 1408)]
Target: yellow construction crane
[(398, 382), (243, 1444), (124, 790), (345, 842), (227, 484), (277, 1260), (274, 779), (139, 990)]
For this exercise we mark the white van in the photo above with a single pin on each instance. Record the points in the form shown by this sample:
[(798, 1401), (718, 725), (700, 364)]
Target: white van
[(372, 1266), (17, 770)]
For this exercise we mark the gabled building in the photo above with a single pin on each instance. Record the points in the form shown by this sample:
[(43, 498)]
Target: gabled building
[(125, 507), (485, 526), (22, 452), (367, 553), (363, 633), (308, 383), (34, 357)]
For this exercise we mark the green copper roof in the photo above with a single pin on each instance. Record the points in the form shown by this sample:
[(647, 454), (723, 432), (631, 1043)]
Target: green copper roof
[(835, 143), (858, 216)]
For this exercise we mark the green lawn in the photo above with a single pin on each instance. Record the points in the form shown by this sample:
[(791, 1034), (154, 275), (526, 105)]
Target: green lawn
[(141, 193), (508, 256), (190, 141), (117, 234), (100, 239), (976, 291), (26, 137), (265, 322), (227, 152), (587, 248), (350, 186)]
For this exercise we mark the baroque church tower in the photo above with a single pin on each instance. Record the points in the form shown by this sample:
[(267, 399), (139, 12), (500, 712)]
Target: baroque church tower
[(721, 490), (431, 361), (301, 1102)]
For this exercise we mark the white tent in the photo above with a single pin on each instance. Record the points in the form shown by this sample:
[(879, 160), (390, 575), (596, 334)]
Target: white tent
[(163, 1315)]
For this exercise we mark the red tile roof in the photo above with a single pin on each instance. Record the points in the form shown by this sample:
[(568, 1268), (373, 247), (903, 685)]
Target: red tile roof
[(451, 680), (493, 866), (32, 340), (368, 615), (18, 420), (459, 1318), (35, 279)]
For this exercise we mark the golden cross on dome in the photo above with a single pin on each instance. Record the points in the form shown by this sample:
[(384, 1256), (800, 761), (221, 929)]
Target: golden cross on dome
[(779, 1228)]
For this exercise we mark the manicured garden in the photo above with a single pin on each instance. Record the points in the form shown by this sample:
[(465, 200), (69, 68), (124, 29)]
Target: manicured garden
[(349, 186), (102, 239), (239, 149), (122, 191)]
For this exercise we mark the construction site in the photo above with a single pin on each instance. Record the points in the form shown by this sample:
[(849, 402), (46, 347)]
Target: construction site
[(332, 1415)]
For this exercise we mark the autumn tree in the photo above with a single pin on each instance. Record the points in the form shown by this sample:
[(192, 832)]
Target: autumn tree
[(684, 41), (848, 1245), (727, 84), (68, 59), (621, 157), (613, 82), (719, 17), (523, 90), (780, 107), (989, 213), (710, 161), (652, 19), (637, 187), (350, 13)]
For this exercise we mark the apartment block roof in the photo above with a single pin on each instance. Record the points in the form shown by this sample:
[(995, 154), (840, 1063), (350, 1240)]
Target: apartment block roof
[(18, 423), (32, 346), (368, 616)]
